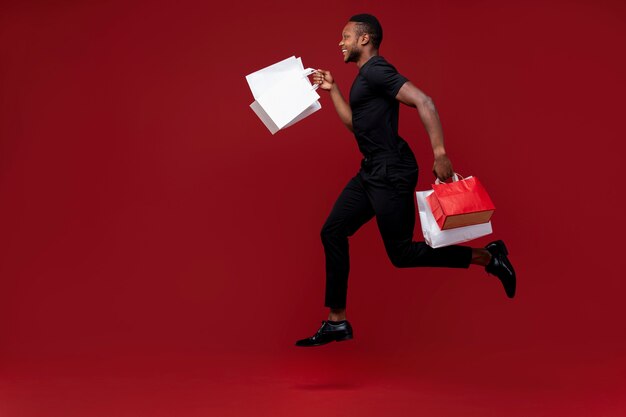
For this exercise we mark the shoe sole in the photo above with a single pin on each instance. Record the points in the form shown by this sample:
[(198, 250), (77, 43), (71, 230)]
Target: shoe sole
[(506, 253), (500, 246), (343, 339)]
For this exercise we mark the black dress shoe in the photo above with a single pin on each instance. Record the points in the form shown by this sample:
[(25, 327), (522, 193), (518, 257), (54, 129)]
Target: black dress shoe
[(501, 267), (329, 332)]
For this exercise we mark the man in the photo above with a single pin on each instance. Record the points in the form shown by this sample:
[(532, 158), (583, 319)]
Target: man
[(384, 186)]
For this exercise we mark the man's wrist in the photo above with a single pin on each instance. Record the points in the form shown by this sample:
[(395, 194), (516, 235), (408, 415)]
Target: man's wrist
[(439, 151)]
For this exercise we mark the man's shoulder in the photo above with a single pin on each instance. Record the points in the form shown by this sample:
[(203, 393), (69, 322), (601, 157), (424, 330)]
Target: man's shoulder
[(380, 75)]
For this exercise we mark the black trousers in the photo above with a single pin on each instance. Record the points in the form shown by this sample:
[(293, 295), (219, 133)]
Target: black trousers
[(384, 187)]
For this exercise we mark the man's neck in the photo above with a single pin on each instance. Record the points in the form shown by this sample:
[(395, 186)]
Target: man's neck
[(366, 56)]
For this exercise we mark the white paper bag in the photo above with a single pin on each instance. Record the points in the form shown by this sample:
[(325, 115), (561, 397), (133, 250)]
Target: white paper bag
[(437, 238), (262, 80), (283, 94)]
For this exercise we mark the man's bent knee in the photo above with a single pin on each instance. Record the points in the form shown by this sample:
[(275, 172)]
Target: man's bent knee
[(398, 255), (398, 261), (328, 233), (332, 232)]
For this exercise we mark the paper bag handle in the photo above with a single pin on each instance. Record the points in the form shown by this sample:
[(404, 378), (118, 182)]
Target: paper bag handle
[(455, 178), (308, 72)]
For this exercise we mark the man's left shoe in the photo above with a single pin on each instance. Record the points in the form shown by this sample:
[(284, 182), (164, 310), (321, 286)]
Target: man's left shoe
[(329, 332), (501, 267)]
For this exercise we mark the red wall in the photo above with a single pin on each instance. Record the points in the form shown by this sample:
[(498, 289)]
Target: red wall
[(144, 207)]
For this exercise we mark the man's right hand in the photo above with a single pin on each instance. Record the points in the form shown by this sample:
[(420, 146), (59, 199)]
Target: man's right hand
[(442, 168), (324, 79)]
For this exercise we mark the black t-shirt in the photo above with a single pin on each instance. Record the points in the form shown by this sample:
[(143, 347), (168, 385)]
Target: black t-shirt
[(375, 109)]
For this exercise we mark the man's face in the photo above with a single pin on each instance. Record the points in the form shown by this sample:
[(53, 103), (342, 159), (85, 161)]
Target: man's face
[(349, 44)]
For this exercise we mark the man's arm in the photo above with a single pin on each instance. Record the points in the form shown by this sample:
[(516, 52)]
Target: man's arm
[(326, 82), (414, 97)]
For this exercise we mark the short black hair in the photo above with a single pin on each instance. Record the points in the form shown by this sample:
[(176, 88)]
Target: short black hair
[(366, 23)]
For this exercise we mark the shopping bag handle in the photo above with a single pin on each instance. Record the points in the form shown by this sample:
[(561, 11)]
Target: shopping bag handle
[(455, 178), (308, 72)]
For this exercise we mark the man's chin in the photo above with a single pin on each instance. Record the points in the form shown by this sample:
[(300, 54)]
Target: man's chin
[(351, 58)]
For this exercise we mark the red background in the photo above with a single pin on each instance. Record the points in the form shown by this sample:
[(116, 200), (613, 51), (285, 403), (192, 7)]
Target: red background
[(160, 249)]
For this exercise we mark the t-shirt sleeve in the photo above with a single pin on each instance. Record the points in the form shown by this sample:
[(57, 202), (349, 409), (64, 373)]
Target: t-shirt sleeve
[(384, 78)]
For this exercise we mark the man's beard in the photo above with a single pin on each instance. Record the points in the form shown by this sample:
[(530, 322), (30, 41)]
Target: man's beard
[(353, 55)]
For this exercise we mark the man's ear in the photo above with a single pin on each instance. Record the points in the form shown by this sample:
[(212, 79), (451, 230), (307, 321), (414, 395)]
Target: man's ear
[(365, 39)]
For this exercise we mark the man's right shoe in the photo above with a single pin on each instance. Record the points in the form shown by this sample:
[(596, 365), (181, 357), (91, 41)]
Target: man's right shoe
[(328, 332), (501, 267)]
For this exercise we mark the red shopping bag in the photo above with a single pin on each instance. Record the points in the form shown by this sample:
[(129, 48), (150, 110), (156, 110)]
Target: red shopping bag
[(460, 203)]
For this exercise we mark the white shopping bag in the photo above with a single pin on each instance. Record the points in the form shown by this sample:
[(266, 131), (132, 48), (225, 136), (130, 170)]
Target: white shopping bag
[(437, 238), (283, 94)]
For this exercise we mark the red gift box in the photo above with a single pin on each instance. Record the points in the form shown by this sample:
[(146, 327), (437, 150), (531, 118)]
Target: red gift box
[(460, 203)]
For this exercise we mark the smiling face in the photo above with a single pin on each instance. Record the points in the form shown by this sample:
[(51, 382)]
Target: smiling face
[(350, 44)]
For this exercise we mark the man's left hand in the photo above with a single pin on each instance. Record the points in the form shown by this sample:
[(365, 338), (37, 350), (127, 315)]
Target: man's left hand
[(443, 168)]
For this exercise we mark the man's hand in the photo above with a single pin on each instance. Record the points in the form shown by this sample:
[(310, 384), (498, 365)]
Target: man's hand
[(324, 79), (443, 167)]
